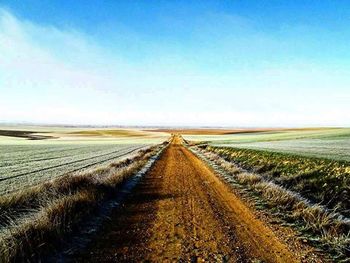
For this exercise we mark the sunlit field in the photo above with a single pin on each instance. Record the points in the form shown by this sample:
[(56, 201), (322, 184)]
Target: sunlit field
[(45, 153), (325, 143), (174, 131)]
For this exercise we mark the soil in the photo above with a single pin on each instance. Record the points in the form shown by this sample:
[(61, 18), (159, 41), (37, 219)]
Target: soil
[(182, 212), (29, 135)]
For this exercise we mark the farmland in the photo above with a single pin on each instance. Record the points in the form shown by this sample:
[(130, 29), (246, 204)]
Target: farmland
[(25, 165), (53, 179), (25, 162), (328, 143)]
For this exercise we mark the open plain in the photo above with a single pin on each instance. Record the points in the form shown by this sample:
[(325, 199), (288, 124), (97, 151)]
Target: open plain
[(174, 131), (183, 209)]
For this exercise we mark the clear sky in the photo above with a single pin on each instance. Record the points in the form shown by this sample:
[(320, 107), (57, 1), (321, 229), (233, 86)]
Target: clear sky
[(213, 63)]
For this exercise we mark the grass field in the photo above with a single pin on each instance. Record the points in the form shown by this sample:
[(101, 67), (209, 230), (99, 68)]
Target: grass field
[(327, 143)]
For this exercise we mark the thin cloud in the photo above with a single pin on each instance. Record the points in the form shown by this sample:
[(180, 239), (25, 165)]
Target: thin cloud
[(55, 75)]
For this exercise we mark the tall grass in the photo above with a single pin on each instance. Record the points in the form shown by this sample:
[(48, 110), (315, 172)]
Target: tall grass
[(39, 219)]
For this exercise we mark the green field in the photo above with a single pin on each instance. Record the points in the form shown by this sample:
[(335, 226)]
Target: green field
[(324, 143)]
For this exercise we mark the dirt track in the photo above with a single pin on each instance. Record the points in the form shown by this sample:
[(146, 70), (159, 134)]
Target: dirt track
[(182, 212)]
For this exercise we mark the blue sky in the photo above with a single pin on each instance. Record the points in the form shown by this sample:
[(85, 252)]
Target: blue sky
[(211, 63)]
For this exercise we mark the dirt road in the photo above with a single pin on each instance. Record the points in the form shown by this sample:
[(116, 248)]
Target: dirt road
[(183, 212)]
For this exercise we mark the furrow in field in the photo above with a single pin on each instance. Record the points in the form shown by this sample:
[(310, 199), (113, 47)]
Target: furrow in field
[(17, 182), (71, 162)]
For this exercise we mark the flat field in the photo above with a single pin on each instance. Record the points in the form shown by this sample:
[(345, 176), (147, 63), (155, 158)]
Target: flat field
[(179, 210), (31, 155), (329, 143)]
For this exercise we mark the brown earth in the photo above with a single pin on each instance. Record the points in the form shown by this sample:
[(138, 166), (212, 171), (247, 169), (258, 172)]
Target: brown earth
[(29, 135), (207, 131), (182, 212), (217, 131), (111, 133)]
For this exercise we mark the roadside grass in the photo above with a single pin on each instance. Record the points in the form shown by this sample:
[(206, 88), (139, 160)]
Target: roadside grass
[(321, 181), (324, 227), (38, 220)]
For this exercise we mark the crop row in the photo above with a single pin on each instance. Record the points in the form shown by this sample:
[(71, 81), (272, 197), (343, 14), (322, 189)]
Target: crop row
[(16, 176)]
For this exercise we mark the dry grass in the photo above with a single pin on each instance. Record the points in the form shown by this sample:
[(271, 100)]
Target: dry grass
[(330, 229), (44, 231), (37, 220), (319, 180), (247, 178)]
